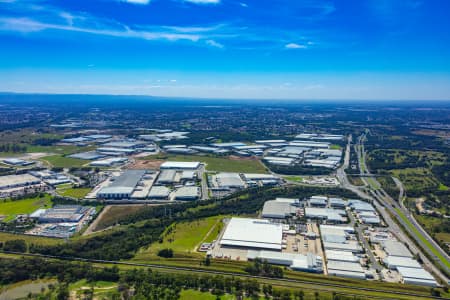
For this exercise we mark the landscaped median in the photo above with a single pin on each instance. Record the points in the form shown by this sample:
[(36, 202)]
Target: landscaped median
[(422, 238)]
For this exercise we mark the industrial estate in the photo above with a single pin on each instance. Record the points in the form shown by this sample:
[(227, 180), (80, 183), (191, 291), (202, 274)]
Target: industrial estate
[(302, 201)]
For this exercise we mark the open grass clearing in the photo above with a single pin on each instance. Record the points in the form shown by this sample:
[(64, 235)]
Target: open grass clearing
[(442, 187), (294, 178), (59, 149), (183, 238), (78, 193), (355, 180), (434, 225), (219, 164), (113, 214), (10, 208), (59, 161), (78, 288), (373, 183), (29, 239), (335, 147), (443, 236)]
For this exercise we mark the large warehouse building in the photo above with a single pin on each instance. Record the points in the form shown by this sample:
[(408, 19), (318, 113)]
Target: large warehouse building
[(280, 208), (253, 234), (13, 181), (180, 165), (299, 262), (123, 186)]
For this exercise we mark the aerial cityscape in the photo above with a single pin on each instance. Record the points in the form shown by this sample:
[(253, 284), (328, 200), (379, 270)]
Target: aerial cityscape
[(221, 149)]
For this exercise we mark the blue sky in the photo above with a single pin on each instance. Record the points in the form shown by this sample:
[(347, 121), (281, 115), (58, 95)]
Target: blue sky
[(294, 49)]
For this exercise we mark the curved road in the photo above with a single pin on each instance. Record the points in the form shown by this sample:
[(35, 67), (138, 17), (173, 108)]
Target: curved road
[(385, 205)]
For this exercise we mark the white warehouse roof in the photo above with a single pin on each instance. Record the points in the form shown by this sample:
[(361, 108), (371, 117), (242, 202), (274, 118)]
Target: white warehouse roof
[(226, 179), (252, 233), (393, 262), (396, 248), (345, 266), (341, 256), (254, 176), (180, 165), (414, 273)]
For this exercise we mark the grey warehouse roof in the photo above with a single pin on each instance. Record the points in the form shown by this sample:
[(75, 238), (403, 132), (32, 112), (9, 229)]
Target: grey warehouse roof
[(129, 178), (277, 209)]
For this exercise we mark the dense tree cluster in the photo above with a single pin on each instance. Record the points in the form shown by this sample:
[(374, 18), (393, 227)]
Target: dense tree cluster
[(45, 141), (15, 148), (386, 159), (119, 244), (299, 170), (166, 253), (442, 171), (139, 283), (389, 186), (15, 246), (263, 268), (14, 270)]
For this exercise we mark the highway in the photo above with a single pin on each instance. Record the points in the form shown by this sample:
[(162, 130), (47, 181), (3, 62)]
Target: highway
[(314, 285), (204, 184), (385, 205)]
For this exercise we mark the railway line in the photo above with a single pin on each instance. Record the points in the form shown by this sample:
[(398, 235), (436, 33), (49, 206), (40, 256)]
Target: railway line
[(389, 294)]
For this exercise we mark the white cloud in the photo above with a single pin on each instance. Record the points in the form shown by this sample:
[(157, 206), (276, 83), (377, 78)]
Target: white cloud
[(243, 4), (140, 2), (203, 1), (295, 46), (29, 25), (215, 44), (29, 18), (194, 29)]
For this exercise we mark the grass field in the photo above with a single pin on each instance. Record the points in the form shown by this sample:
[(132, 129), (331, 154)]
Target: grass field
[(78, 193), (362, 166), (58, 149), (335, 147), (101, 288), (424, 241), (442, 187), (29, 239), (183, 238), (221, 164), (355, 180), (373, 183), (60, 161), (114, 214), (11, 208), (294, 178), (434, 224), (443, 236)]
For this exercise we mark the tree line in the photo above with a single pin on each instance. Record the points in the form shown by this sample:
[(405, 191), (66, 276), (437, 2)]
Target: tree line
[(139, 283)]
